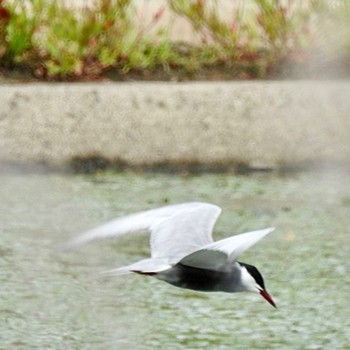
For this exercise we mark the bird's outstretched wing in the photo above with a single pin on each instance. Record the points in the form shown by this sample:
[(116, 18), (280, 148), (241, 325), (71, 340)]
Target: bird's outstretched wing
[(176, 230), (184, 232), (217, 255)]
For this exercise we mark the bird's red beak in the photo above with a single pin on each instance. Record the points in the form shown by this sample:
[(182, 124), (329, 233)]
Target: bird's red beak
[(268, 297)]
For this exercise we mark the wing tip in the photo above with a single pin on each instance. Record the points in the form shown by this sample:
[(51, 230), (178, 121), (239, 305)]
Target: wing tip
[(265, 231), (69, 245), (115, 272), (63, 247)]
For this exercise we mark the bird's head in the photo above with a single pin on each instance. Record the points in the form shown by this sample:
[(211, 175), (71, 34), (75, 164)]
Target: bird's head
[(252, 281)]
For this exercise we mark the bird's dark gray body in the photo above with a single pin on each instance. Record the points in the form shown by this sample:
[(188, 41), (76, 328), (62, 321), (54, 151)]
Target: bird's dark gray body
[(202, 279)]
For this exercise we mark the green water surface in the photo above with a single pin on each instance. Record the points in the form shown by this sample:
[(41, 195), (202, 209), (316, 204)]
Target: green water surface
[(50, 301)]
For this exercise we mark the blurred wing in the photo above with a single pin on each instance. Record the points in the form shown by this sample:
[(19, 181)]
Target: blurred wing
[(184, 232), (218, 255), (132, 223)]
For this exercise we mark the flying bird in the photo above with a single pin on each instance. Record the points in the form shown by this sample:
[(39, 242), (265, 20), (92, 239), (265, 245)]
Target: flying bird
[(183, 252)]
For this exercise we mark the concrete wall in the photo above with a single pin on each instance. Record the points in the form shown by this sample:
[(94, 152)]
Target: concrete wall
[(258, 123)]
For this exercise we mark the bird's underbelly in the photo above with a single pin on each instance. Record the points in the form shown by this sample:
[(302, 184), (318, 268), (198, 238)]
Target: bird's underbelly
[(197, 279)]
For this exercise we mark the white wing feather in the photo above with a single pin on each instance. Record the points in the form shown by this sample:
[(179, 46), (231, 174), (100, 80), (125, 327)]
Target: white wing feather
[(184, 232), (179, 233), (151, 220), (236, 245)]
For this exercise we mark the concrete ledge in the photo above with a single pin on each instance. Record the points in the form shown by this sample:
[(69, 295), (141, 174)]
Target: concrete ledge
[(256, 123)]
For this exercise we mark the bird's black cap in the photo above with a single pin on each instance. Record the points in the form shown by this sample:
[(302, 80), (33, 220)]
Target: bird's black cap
[(255, 273)]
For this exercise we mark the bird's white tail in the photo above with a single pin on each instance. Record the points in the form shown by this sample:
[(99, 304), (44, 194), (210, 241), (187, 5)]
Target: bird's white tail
[(147, 266)]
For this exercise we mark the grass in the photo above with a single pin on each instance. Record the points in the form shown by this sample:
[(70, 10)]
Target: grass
[(53, 41)]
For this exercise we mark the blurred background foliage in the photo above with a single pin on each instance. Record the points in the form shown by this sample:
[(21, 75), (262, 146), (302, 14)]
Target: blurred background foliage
[(51, 39)]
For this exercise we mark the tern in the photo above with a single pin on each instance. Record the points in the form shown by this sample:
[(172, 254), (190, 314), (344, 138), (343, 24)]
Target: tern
[(183, 252)]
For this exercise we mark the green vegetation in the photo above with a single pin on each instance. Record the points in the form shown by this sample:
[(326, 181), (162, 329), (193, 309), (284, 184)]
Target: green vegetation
[(51, 40)]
